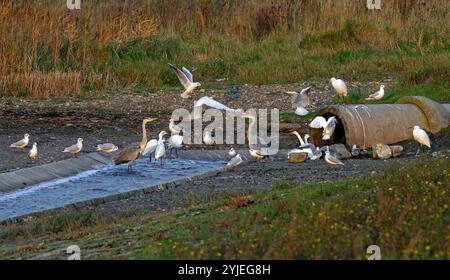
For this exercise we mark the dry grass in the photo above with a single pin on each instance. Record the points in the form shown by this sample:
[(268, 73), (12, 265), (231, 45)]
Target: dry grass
[(128, 43), (41, 84)]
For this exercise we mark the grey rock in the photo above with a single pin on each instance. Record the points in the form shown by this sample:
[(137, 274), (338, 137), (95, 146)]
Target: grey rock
[(381, 151), (341, 151), (396, 150)]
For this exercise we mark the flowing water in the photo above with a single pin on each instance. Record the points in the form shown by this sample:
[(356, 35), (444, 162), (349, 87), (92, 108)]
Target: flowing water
[(107, 181)]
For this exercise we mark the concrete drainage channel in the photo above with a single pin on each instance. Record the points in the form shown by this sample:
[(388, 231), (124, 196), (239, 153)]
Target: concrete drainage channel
[(94, 182), (364, 125)]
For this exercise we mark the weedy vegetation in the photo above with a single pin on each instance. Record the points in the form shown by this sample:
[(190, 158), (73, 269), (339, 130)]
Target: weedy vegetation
[(47, 50)]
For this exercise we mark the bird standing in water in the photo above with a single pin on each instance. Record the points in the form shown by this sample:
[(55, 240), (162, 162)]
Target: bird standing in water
[(33, 153), (21, 144), (160, 151), (175, 142), (231, 152), (132, 153), (235, 161)]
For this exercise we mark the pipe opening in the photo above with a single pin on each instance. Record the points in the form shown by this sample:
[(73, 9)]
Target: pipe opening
[(338, 135), (339, 132)]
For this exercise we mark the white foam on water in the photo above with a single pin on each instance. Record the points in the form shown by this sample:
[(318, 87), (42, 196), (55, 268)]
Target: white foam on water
[(50, 184), (97, 183)]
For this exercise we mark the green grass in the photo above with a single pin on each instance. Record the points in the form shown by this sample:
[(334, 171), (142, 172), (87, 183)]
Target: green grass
[(142, 64), (405, 211), (291, 117), (434, 91)]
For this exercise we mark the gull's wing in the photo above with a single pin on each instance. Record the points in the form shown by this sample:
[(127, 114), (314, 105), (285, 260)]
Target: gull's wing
[(305, 90), (209, 101), (318, 122), (184, 80), (331, 122), (373, 95), (234, 161), (188, 74), (304, 98), (18, 143), (308, 146), (333, 160), (71, 148), (106, 146), (324, 148), (300, 100)]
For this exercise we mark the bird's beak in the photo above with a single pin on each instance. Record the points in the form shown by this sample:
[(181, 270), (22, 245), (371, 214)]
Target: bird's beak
[(151, 119), (290, 92)]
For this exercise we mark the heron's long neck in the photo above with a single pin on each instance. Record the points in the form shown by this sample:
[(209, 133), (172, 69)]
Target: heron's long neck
[(144, 135)]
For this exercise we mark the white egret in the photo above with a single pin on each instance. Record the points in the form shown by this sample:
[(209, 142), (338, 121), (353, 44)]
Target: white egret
[(300, 101), (160, 151), (21, 143), (300, 139), (175, 142), (305, 147), (33, 153), (339, 86), (328, 126), (186, 79), (150, 148), (377, 95), (210, 102), (421, 137), (75, 149)]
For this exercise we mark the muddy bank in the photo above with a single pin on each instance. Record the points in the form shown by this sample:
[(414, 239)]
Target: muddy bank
[(116, 117)]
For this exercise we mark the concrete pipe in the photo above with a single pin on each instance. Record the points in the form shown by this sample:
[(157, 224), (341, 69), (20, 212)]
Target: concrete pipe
[(368, 124)]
